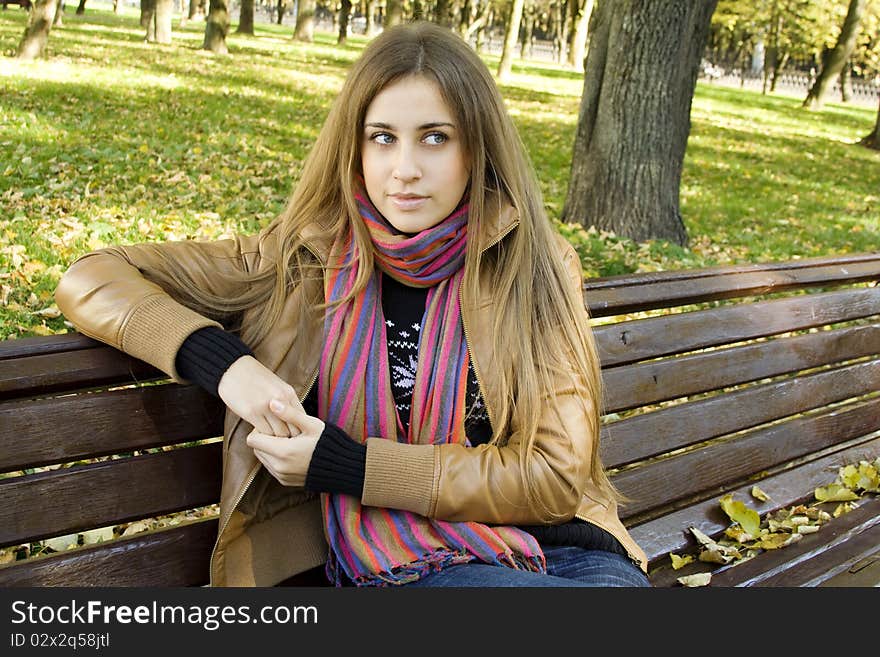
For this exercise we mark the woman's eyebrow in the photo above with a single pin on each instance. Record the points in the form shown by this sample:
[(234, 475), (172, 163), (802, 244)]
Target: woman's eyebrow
[(424, 126)]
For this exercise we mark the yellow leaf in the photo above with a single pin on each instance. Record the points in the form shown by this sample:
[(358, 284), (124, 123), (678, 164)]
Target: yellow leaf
[(835, 493), (758, 494), (679, 561), (738, 512), (698, 579)]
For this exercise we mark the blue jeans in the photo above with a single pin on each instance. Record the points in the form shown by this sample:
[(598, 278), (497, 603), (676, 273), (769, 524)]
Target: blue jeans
[(566, 566)]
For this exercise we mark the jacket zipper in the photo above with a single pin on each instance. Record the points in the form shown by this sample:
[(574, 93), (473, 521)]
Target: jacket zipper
[(251, 476)]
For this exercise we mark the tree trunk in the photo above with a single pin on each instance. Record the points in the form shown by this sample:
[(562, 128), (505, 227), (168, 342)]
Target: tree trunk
[(216, 28), (837, 57), (505, 66), (441, 13), (528, 31), (872, 140), (634, 117), (305, 21), (81, 8), (246, 17), (579, 35), (164, 13), (370, 17), (36, 34), (59, 15), (148, 19), (344, 11), (393, 13)]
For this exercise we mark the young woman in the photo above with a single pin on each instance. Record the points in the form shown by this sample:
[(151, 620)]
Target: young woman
[(411, 381)]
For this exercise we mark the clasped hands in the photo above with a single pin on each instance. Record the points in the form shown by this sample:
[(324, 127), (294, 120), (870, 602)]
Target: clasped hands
[(284, 436)]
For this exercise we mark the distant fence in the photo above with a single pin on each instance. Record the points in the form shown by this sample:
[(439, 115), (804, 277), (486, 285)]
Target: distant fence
[(862, 92)]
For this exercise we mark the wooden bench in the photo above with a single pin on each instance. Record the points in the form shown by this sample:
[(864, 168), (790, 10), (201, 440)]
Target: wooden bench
[(717, 379)]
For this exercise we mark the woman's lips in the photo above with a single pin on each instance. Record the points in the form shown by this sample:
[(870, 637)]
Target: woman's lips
[(406, 202)]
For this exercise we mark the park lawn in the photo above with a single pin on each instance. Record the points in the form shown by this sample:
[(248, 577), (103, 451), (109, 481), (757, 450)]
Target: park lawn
[(112, 140)]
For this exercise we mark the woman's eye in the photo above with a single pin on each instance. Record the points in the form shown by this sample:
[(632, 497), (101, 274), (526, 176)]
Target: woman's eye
[(436, 138), (382, 138)]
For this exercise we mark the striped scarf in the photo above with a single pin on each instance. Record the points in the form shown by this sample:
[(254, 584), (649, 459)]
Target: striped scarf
[(379, 546)]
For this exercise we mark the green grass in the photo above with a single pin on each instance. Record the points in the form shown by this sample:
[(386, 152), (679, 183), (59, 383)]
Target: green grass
[(112, 140)]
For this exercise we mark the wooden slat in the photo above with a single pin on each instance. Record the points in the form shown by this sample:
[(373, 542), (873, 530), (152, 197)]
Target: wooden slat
[(101, 494), (644, 291), (41, 345), (816, 557), (71, 370), (86, 425), (650, 434), (170, 557), (659, 484), (669, 533), (631, 386), (642, 339)]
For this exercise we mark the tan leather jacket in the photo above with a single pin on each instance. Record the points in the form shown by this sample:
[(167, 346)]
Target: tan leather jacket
[(269, 532)]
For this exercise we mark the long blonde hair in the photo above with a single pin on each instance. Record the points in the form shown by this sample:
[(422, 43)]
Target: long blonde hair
[(541, 328)]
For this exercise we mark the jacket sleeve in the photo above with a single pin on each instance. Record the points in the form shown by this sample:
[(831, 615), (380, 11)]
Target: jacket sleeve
[(106, 295), (485, 483)]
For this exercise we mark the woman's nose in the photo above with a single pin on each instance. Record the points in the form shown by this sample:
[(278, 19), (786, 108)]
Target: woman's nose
[(406, 166)]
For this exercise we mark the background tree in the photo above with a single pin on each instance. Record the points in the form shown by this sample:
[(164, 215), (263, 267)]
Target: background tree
[(305, 21), (511, 36), (36, 33), (393, 13), (634, 117), (836, 58), (580, 18), (148, 19), (164, 13), (344, 12), (872, 140), (216, 27), (246, 17)]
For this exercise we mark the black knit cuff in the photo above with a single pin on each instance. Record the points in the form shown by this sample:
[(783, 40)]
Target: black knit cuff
[(338, 464), (206, 354)]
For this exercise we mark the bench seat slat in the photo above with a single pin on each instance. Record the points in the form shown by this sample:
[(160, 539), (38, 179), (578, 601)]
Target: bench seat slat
[(631, 386), (110, 422), (626, 293), (110, 492), (61, 372), (41, 345), (649, 434), (653, 337), (669, 533), (170, 557), (723, 464)]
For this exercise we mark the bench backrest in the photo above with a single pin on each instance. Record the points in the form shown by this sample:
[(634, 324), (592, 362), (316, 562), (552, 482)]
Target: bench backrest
[(715, 379)]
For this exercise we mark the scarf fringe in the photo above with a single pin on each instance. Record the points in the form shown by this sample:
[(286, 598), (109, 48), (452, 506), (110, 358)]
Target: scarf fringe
[(433, 562)]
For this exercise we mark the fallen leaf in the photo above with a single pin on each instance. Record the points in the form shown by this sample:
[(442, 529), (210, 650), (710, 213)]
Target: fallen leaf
[(679, 561), (98, 535), (835, 493), (758, 494), (738, 512), (61, 543), (698, 579)]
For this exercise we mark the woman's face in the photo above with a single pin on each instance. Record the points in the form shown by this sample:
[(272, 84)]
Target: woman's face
[(413, 157)]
